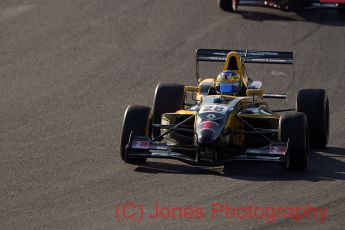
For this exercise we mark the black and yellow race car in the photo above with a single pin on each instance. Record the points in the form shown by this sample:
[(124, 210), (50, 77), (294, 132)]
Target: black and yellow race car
[(216, 129)]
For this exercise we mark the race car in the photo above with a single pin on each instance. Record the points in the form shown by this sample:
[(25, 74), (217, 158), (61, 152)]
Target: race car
[(228, 120), (291, 5)]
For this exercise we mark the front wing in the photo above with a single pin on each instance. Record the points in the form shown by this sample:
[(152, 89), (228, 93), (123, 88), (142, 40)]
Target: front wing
[(143, 146)]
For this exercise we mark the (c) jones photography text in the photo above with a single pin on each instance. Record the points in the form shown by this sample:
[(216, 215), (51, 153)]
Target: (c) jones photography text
[(135, 212)]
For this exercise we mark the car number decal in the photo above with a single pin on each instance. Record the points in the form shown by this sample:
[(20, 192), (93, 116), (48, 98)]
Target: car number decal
[(213, 109)]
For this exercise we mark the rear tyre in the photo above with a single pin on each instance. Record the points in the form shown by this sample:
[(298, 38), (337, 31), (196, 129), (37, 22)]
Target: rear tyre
[(228, 5), (314, 103), (341, 9), (293, 126), (168, 99), (137, 120), (292, 5)]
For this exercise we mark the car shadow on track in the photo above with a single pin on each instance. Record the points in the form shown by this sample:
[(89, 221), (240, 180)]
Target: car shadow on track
[(329, 17), (171, 168), (328, 165), (325, 165)]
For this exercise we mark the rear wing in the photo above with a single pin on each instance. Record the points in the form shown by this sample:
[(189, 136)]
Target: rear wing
[(247, 56)]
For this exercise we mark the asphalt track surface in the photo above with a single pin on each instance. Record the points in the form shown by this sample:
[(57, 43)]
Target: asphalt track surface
[(70, 68)]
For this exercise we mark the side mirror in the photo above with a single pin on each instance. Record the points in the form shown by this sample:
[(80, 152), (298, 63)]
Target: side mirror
[(254, 92), (255, 85)]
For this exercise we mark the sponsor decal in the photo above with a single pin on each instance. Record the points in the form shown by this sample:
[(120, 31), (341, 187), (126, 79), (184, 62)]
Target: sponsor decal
[(140, 144), (277, 149), (221, 53), (209, 125), (269, 60), (212, 58), (211, 116), (263, 53), (160, 147)]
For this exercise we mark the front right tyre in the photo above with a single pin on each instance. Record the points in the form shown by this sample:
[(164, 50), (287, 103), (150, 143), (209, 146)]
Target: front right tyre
[(168, 98), (315, 105)]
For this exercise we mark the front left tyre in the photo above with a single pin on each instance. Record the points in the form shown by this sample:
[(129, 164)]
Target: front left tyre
[(137, 119), (293, 128)]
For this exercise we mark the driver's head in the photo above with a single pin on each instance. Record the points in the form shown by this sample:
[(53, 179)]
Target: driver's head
[(228, 82)]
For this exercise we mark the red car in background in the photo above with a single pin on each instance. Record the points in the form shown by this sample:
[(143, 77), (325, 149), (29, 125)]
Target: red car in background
[(340, 4), (291, 5)]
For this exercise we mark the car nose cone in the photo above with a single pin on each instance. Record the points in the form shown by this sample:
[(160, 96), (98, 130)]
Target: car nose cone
[(206, 137)]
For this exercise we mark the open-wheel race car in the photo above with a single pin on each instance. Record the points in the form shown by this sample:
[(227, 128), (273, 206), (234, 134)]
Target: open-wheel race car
[(228, 119)]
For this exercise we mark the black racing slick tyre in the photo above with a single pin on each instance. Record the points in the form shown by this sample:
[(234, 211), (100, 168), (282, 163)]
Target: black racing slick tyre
[(293, 127), (341, 9), (137, 120), (314, 103), (168, 98), (292, 5), (228, 5)]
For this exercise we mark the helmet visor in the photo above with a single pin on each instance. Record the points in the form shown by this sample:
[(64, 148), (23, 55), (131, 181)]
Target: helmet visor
[(227, 87)]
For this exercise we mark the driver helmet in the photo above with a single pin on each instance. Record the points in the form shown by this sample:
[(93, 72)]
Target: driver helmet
[(228, 82)]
